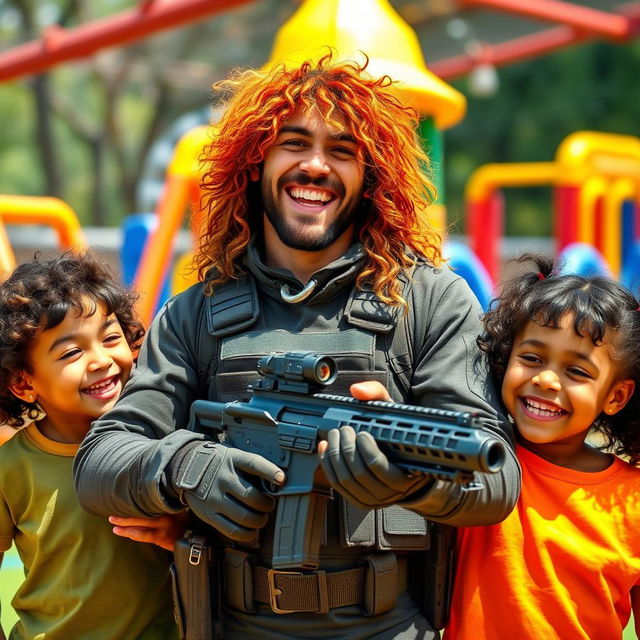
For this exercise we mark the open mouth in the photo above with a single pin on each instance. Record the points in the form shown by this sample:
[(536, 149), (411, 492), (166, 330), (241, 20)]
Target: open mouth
[(541, 410), (310, 197), (103, 389)]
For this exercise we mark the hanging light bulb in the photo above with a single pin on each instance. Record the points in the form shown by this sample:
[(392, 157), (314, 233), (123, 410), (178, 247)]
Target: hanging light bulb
[(483, 79)]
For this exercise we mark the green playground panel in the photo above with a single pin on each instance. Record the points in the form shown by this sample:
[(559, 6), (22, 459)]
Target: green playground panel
[(11, 575)]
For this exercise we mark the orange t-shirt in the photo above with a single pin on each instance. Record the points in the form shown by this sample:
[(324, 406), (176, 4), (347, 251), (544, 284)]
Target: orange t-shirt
[(562, 563)]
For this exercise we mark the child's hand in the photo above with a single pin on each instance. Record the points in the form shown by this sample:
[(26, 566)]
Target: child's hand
[(366, 391), (369, 390), (162, 531)]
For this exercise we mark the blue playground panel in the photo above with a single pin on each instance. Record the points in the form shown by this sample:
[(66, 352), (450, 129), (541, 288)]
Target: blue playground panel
[(630, 274), (136, 230), (465, 263), (583, 260)]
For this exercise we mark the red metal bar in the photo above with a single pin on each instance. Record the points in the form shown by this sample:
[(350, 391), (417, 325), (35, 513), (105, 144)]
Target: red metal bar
[(504, 53), (568, 13), (531, 46), (566, 201), (484, 228), (60, 45)]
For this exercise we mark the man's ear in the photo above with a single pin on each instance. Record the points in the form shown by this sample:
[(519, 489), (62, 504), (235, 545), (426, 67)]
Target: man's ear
[(254, 173), (21, 388), (619, 395)]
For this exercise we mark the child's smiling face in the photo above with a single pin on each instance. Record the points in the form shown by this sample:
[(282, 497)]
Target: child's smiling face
[(78, 370), (557, 383)]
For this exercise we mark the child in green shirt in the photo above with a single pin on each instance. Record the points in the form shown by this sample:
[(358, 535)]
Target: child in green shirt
[(67, 331)]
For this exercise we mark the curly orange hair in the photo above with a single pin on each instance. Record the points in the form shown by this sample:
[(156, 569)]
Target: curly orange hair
[(396, 179)]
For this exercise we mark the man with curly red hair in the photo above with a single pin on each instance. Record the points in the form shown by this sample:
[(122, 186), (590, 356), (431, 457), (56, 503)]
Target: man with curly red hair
[(315, 239)]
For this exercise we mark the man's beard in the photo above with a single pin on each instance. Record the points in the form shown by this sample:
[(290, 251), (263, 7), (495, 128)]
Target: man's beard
[(298, 239)]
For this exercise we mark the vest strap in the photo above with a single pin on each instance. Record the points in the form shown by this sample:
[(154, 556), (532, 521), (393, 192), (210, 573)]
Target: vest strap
[(233, 307), (366, 311)]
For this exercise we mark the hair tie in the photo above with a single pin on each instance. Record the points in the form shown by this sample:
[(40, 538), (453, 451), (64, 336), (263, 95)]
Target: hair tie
[(540, 275), (637, 308)]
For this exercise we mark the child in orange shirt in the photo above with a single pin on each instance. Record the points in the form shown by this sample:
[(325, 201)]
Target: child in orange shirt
[(565, 564)]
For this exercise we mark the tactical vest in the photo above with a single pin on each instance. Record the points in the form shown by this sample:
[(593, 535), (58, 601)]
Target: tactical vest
[(376, 345)]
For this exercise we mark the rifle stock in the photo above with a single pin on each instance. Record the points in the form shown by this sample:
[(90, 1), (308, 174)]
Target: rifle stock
[(285, 420)]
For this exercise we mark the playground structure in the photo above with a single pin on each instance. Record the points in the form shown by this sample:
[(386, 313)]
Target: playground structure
[(595, 176), (33, 210), (596, 181)]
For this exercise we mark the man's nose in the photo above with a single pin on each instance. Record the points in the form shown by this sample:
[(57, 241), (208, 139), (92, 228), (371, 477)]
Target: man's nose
[(547, 379), (315, 163)]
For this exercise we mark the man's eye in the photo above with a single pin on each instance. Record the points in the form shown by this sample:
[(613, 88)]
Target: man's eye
[(346, 151)]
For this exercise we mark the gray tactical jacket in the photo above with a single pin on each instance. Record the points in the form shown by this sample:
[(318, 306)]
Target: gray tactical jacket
[(120, 467)]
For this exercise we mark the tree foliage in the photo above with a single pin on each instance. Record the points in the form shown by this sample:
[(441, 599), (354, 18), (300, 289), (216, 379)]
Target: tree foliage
[(539, 103)]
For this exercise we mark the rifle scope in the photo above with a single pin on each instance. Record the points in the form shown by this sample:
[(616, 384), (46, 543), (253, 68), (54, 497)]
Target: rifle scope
[(300, 366)]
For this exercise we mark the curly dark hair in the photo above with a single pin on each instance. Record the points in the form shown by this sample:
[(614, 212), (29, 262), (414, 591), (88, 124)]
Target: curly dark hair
[(36, 297), (597, 303)]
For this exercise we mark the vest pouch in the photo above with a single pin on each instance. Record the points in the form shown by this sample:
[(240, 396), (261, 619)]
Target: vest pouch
[(390, 529), (357, 525), (401, 529)]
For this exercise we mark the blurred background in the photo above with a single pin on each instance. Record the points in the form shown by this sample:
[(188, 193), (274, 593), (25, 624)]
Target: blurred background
[(98, 131), (529, 113)]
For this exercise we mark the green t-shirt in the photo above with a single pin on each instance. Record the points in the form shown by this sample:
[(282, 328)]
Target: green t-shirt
[(81, 580)]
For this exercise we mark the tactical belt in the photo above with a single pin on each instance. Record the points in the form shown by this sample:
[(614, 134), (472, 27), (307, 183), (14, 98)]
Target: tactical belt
[(375, 586)]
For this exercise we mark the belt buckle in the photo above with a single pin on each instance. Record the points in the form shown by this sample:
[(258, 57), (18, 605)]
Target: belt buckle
[(274, 592)]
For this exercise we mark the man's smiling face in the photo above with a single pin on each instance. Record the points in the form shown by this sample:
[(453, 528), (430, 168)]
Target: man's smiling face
[(312, 182)]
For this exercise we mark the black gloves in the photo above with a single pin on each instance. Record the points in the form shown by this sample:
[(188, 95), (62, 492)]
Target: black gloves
[(357, 469), (211, 482), (212, 487)]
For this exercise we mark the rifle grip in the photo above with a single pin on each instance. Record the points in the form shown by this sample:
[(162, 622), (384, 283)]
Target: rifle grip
[(299, 529)]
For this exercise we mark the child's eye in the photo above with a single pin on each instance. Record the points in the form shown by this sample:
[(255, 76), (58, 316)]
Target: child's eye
[(69, 353), (530, 358), (578, 372), (112, 338)]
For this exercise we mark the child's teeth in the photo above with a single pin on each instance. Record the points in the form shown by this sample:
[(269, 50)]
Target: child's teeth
[(536, 407), (101, 385)]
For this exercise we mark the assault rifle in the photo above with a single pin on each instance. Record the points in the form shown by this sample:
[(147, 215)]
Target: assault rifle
[(285, 420)]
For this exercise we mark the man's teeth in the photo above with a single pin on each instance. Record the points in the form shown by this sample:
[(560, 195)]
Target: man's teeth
[(541, 410), (306, 194)]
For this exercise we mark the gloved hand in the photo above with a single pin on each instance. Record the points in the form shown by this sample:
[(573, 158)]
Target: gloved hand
[(212, 487), (357, 469)]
